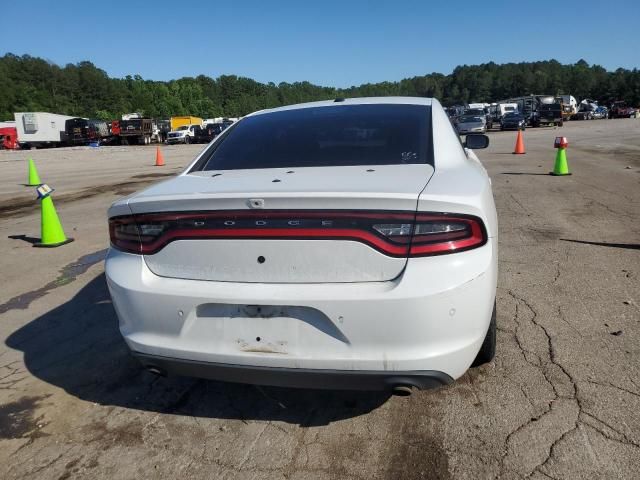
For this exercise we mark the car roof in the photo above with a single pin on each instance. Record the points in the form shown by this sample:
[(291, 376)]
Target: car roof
[(352, 101)]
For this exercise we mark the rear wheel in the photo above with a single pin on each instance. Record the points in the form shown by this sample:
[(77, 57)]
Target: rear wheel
[(488, 350)]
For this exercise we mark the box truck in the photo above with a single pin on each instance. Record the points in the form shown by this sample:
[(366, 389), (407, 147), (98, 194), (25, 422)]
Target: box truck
[(40, 129), (185, 120)]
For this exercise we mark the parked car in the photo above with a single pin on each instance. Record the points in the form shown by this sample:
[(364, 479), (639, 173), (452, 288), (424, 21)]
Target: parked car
[(513, 121), (310, 259), (481, 112), (471, 124), (184, 134), (620, 109), (498, 110), (208, 132), (455, 112), (601, 112)]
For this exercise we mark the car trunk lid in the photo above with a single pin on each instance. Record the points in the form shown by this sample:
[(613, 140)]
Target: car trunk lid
[(303, 225)]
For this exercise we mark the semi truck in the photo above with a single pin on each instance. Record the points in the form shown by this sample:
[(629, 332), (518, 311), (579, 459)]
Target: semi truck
[(40, 129), (569, 106)]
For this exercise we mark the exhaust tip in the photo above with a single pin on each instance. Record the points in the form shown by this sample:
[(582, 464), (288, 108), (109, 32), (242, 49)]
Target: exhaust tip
[(156, 371), (402, 390)]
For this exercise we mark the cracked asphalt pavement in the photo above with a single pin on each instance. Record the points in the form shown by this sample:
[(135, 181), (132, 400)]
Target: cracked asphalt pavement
[(561, 400)]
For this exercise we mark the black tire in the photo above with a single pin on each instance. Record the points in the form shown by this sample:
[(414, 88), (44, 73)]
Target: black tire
[(187, 140), (488, 350)]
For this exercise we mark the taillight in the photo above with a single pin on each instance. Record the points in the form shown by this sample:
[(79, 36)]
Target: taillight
[(436, 234), (130, 236), (396, 234)]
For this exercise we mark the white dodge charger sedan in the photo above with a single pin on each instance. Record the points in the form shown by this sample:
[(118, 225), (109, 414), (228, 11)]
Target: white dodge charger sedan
[(348, 244)]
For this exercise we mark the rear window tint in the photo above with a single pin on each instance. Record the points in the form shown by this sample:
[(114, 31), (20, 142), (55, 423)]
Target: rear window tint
[(380, 134)]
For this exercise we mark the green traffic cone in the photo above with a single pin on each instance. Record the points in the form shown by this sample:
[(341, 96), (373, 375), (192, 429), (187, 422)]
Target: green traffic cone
[(52, 234), (34, 178), (561, 167)]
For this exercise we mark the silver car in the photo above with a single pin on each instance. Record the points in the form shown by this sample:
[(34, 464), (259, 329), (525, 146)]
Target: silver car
[(471, 124)]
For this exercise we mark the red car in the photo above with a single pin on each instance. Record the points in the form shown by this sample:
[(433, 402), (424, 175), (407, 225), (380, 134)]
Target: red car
[(621, 110)]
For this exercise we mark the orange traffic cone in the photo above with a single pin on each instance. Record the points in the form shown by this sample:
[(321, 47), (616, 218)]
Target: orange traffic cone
[(159, 158), (519, 150)]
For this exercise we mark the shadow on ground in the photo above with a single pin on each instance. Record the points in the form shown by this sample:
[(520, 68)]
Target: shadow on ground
[(77, 347), (26, 238)]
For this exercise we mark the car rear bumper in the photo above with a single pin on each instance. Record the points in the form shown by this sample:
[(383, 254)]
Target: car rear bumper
[(294, 377), (432, 318)]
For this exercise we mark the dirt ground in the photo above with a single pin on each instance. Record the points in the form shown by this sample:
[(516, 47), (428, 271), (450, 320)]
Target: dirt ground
[(561, 400)]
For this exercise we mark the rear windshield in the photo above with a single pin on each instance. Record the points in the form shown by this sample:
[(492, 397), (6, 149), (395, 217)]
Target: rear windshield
[(380, 134)]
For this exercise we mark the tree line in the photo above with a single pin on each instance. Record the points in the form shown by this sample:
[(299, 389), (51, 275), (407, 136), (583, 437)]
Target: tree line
[(33, 84)]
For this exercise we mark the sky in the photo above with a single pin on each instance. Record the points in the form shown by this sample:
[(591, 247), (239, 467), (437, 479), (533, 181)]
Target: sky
[(329, 43)]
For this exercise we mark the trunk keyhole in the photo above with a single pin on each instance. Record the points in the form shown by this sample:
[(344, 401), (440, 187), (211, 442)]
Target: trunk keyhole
[(261, 259)]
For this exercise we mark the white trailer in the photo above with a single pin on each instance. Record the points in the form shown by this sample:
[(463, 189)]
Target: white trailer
[(40, 129)]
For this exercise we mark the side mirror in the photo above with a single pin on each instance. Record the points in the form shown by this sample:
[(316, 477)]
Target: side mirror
[(476, 142)]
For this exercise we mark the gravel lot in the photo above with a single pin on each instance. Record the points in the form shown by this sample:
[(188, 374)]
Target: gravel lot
[(561, 400)]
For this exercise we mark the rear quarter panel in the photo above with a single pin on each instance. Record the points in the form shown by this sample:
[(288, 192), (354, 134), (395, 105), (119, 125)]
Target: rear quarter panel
[(460, 184)]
